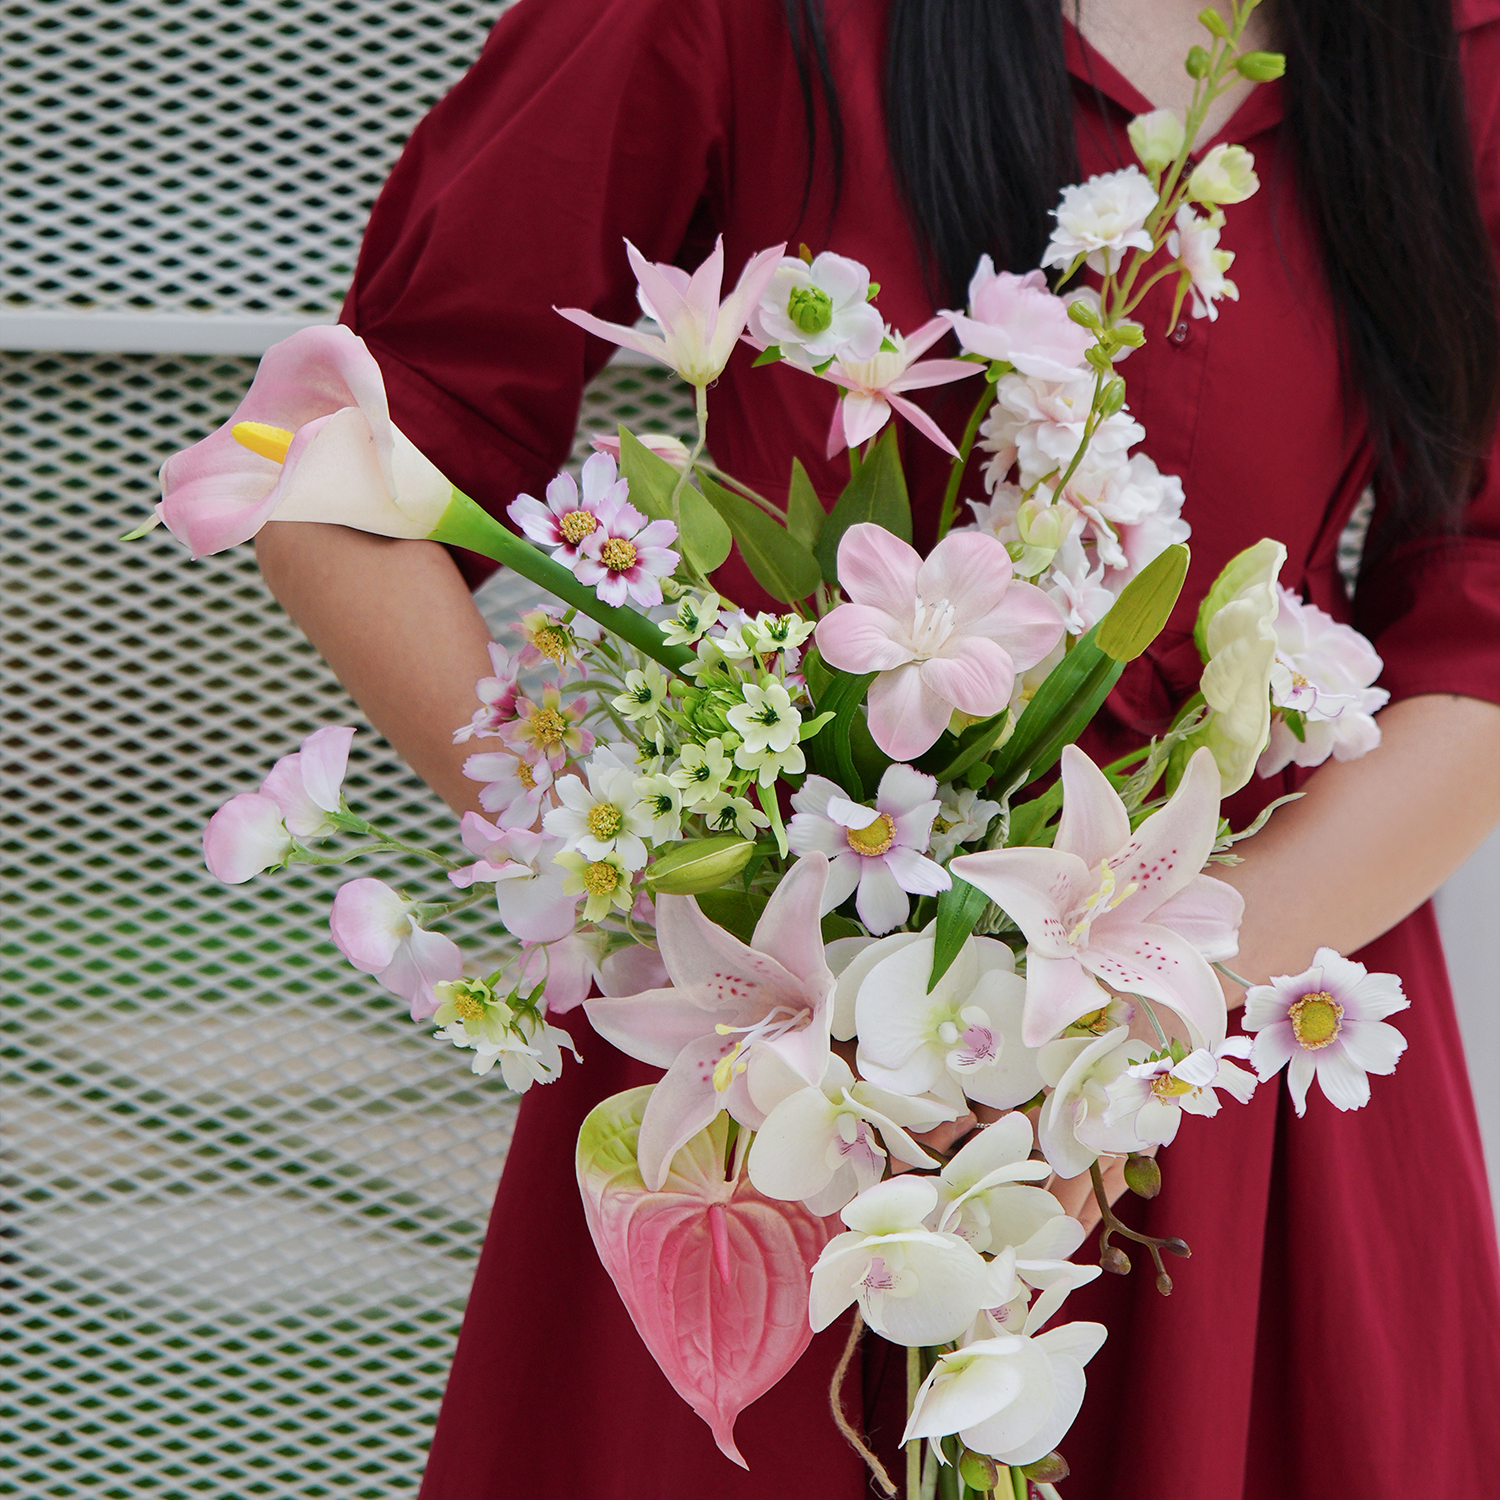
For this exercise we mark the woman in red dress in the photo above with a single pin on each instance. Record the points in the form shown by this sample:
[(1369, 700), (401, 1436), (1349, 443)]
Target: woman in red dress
[(1337, 1331)]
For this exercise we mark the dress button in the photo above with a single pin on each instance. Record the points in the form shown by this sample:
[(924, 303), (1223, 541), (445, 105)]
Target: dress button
[(1181, 333)]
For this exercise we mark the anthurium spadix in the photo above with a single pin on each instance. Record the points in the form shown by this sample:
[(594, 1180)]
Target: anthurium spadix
[(713, 1274)]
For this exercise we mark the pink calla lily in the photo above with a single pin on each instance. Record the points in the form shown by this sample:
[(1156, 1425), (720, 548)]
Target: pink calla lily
[(1129, 908), (872, 388), (727, 1001), (339, 457), (948, 631), (714, 1275), (698, 332)]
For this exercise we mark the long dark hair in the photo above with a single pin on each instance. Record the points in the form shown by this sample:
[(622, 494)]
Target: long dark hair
[(980, 130)]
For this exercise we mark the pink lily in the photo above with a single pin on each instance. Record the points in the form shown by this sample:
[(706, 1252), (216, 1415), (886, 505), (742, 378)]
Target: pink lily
[(323, 448), (727, 1001), (1017, 319), (698, 332), (376, 930), (872, 388), (947, 632), (1129, 908)]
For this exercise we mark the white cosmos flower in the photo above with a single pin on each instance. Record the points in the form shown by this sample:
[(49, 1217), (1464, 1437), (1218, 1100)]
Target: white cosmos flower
[(1328, 1021), (961, 1039), (1101, 219), (823, 1144), (913, 1286), (1152, 1093), (602, 816)]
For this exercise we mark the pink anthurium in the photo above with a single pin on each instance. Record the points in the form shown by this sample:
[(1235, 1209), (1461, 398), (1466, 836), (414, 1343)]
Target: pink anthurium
[(713, 1274), (1132, 909), (948, 631), (727, 1001), (315, 443), (698, 332)]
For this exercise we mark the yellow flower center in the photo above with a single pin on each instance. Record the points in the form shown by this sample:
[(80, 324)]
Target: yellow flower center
[(1316, 1019), (576, 525), (524, 776), (552, 640), (600, 878), (875, 838), (547, 726), (1164, 1086), (1097, 1021), (618, 555), (604, 820), (468, 1007)]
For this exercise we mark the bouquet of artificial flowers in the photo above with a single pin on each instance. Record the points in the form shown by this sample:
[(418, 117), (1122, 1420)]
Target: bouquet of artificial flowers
[(842, 872)]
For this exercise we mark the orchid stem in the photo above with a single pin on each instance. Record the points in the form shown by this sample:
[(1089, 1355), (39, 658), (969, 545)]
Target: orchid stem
[(913, 1448), (1111, 1225)]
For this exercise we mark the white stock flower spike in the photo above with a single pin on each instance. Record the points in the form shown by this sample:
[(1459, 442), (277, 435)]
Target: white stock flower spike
[(1099, 220)]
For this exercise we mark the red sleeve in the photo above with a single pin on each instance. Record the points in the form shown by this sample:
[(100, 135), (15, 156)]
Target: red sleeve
[(1432, 606), (583, 122)]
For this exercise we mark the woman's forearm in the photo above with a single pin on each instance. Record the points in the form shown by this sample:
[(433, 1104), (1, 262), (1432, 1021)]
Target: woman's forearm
[(396, 622), (1372, 839)]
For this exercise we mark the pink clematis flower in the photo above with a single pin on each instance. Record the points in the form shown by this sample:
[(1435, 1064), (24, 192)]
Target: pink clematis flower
[(727, 1003), (1129, 908), (528, 883), (872, 388), (626, 556), (948, 632), (256, 830), (326, 450), (879, 850), (1017, 319), (566, 519), (698, 332), (376, 930)]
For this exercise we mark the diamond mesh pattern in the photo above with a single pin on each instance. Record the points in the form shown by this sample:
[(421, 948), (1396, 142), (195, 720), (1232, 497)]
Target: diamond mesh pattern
[(246, 1193)]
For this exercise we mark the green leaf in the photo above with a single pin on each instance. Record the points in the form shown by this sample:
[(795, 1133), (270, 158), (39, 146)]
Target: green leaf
[(1060, 710), (951, 757), (779, 563), (696, 865), (1144, 606), (959, 908), (877, 493), (705, 538), (804, 510), (734, 911), (831, 755), (836, 927)]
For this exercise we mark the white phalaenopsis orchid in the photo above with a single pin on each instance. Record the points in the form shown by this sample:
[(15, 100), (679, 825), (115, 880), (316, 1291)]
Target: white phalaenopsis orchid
[(960, 1039), (823, 1144), (1071, 1129), (913, 1286), (1131, 909), (1013, 1397)]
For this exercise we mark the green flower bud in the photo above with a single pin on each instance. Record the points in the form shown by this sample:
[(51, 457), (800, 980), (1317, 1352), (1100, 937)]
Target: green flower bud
[(1261, 67), (1080, 311), (979, 1471), (1112, 397), (1157, 138), (1049, 1470), (1225, 175), (1142, 1176), (810, 308), (1198, 63), (696, 865), (1212, 21)]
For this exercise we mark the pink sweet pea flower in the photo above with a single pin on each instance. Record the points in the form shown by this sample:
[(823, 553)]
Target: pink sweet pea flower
[(326, 450), (566, 519), (879, 850), (244, 837), (1129, 908), (376, 930), (626, 556), (948, 632), (872, 388), (1016, 318), (698, 332), (528, 883), (727, 1002)]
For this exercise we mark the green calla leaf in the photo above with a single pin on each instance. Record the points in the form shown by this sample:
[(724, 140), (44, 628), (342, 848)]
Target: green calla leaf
[(876, 493), (1144, 606), (703, 535), (779, 563)]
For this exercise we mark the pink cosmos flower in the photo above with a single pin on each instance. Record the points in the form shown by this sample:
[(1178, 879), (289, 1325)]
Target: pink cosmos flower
[(376, 930), (497, 696), (948, 632), (566, 519), (880, 851), (728, 1003), (529, 891), (320, 403), (626, 556), (1328, 1021), (1129, 908), (255, 830), (548, 638), (516, 788), (872, 388), (698, 332), (1017, 319)]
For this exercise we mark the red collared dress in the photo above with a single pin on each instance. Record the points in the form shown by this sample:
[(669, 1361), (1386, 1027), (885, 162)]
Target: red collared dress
[(1337, 1331)]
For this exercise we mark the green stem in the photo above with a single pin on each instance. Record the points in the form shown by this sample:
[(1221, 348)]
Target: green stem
[(466, 524), (700, 402), (959, 464), (913, 1448), (730, 482)]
